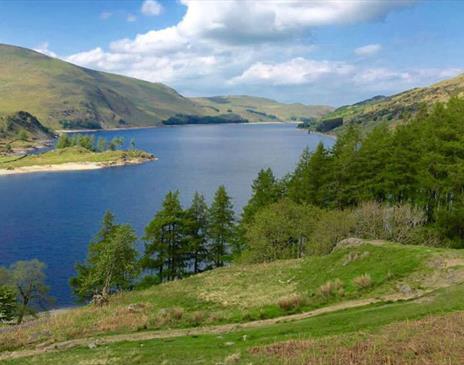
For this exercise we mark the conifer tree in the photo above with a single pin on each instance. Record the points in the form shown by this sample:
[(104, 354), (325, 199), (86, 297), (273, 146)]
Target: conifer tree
[(221, 230), (196, 223)]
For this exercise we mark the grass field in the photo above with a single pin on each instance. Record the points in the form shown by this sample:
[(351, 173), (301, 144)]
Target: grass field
[(244, 293)]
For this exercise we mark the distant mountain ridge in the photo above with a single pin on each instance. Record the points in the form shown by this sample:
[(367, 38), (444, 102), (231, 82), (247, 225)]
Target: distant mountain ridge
[(396, 108), (65, 96)]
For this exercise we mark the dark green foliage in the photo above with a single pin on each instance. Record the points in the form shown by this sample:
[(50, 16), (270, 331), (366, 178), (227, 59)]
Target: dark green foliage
[(7, 303), (181, 119), (196, 224), (329, 124), (221, 229), (111, 263), (166, 249)]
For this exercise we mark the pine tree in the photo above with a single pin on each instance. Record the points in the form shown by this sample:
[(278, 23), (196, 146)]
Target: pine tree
[(221, 230), (166, 248), (196, 221), (265, 191)]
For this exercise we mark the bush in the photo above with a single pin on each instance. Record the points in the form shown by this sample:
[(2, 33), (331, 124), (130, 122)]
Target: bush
[(290, 302), (393, 223), (331, 227), (280, 231), (331, 289), (363, 281)]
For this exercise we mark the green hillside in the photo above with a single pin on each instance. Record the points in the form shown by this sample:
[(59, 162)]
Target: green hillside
[(62, 95), (256, 109), (397, 108), (269, 303)]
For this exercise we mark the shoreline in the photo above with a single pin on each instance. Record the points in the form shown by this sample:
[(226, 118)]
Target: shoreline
[(71, 166)]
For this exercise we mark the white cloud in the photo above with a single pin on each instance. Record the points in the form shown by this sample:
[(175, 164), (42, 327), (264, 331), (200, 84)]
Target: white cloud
[(43, 48), (238, 46), (368, 50), (131, 18), (297, 71), (151, 8), (106, 15)]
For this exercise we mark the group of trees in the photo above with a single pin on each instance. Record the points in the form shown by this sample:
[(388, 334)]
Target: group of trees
[(178, 242), (23, 290), (89, 142)]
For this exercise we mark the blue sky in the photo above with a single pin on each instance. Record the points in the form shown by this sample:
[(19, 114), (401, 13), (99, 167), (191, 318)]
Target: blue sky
[(330, 52)]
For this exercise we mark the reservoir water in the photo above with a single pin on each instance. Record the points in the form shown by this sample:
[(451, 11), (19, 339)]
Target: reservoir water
[(53, 216)]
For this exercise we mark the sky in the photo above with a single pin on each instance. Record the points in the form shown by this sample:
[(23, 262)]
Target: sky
[(315, 52)]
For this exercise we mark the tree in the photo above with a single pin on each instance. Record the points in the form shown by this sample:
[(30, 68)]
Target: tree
[(280, 231), (265, 190), (308, 184), (132, 143), (166, 248), (7, 303), (221, 230), (116, 142), (111, 263), (196, 221), (28, 277), (63, 141), (101, 144)]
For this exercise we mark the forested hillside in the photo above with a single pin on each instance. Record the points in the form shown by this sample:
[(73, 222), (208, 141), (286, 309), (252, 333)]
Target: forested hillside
[(396, 108)]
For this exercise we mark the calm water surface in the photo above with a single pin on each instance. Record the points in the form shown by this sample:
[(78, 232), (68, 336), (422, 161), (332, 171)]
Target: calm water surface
[(52, 216)]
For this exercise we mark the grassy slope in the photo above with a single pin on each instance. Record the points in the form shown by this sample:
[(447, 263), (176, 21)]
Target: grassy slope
[(398, 107), (244, 293), (54, 90), (71, 154), (256, 109)]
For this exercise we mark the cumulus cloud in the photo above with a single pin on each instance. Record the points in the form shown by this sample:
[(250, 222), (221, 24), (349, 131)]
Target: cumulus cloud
[(43, 48), (368, 50), (297, 71), (151, 8), (238, 46)]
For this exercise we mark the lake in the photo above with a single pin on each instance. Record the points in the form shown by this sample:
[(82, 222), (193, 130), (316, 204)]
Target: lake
[(53, 216)]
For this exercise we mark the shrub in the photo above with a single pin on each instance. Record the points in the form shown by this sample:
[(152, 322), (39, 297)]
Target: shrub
[(363, 281), (393, 223), (177, 313), (290, 302), (331, 288)]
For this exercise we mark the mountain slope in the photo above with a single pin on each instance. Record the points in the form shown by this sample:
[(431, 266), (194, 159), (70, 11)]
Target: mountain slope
[(256, 109), (62, 95), (396, 108)]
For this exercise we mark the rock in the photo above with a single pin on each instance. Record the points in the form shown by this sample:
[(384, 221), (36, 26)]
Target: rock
[(349, 242), (135, 307), (405, 289), (92, 345)]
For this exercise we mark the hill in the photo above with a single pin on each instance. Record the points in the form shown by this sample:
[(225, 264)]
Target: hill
[(256, 109), (62, 95), (246, 311), (65, 96), (396, 108), (22, 130)]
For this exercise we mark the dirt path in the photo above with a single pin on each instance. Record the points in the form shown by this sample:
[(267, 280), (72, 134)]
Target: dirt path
[(219, 329)]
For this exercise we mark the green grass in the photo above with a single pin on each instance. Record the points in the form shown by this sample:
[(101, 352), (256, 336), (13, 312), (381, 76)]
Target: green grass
[(71, 155), (213, 349), (243, 293)]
